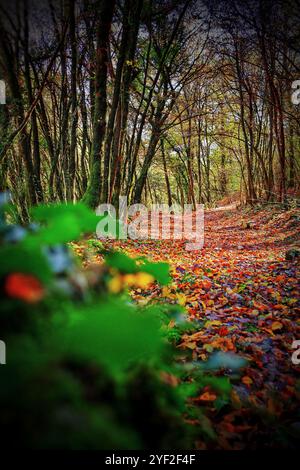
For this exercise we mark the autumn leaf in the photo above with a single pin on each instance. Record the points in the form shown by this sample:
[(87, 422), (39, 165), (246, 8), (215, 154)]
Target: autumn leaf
[(181, 299), (276, 325), (143, 280), (24, 287), (207, 396), (247, 380), (115, 284)]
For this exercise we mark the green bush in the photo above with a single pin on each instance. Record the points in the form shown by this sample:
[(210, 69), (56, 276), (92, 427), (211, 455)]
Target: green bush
[(83, 364), (87, 367)]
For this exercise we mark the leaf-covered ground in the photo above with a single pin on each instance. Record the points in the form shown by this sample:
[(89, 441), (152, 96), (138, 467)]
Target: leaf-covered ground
[(245, 296)]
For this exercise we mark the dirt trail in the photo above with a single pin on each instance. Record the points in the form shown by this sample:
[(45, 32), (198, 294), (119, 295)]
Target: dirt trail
[(245, 297)]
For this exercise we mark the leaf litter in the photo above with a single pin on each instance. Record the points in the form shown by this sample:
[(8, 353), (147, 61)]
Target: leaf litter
[(244, 294)]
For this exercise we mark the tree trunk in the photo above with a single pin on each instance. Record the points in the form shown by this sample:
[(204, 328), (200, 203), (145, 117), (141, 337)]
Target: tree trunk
[(105, 12)]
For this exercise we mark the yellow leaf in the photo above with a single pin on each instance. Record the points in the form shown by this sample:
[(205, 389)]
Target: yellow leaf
[(143, 280), (276, 325), (212, 323), (181, 299), (203, 357), (191, 345), (130, 279), (115, 285), (165, 292)]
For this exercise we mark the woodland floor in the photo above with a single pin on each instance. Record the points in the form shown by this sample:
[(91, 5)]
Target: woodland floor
[(245, 296)]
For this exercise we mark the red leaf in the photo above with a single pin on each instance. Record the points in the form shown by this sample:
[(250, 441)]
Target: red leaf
[(24, 287)]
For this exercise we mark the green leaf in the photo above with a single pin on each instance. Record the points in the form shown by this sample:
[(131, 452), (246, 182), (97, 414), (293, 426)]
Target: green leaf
[(62, 223), (24, 260), (111, 333), (121, 262), (125, 264), (160, 271), (47, 213), (220, 384)]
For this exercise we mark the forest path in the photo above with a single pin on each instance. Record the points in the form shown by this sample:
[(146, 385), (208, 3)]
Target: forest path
[(229, 207), (245, 297)]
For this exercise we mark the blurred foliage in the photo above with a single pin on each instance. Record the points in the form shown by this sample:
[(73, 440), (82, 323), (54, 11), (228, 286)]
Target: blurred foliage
[(87, 368)]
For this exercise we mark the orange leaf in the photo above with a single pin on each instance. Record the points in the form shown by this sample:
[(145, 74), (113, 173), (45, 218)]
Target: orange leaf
[(207, 396), (206, 284), (24, 287), (247, 380)]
